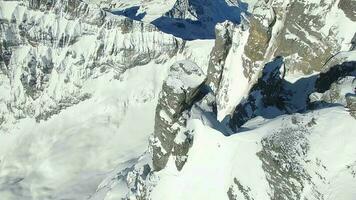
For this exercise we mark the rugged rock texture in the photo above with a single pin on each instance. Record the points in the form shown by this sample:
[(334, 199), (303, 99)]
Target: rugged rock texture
[(335, 73), (299, 31), (304, 33), (223, 42), (351, 104), (291, 170), (283, 155), (258, 40), (337, 93), (275, 30), (353, 43), (272, 95), (235, 61), (180, 90), (196, 19), (336, 87), (52, 51), (349, 8), (185, 9), (49, 49), (267, 92)]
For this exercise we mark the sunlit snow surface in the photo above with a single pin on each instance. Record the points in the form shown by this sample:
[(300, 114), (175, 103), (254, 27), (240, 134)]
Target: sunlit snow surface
[(214, 160), (75, 152), (69, 155)]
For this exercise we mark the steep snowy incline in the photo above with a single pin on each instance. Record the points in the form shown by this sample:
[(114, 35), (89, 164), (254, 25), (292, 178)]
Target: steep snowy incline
[(48, 55), (68, 155), (186, 19), (121, 99), (78, 91), (290, 157)]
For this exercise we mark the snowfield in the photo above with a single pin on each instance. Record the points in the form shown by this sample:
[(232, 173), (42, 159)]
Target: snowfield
[(177, 100), (215, 160), (69, 155)]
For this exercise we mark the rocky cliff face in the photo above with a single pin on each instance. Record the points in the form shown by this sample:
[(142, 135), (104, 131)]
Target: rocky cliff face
[(336, 86), (307, 44), (181, 89), (245, 87), (267, 93), (49, 49), (223, 42), (246, 75), (192, 19), (304, 32)]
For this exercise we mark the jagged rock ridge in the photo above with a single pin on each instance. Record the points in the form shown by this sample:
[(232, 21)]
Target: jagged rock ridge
[(266, 100)]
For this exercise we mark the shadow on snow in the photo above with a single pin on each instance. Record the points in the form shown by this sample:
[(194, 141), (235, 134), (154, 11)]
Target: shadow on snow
[(196, 20)]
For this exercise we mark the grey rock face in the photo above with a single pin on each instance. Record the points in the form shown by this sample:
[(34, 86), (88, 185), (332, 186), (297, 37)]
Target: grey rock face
[(196, 19), (333, 74), (183, 10), (268, 91), (337, 93), (258, 41), (291, 29), (179, 91), (351, 103), (340, 92), (281, 157), (294, 32), (336, 86), (285, 161), (244, 46), (231, 193), (88, 43), (36, 75), (223, 41), (353, 43), (349, 8)]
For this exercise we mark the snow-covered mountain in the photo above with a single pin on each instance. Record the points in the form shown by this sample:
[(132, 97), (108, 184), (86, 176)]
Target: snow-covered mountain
[(177, 99)]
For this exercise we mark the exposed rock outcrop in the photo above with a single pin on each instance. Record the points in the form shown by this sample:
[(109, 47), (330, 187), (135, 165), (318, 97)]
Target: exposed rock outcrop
[(267, 92), (336, 87), (299, 34), (353, 43), (223, 42), (196, 19), (337, 92), (349, 8), (179, 91), (351, 103), (335, 73), (283, 155), (235, 61), (49, 49)]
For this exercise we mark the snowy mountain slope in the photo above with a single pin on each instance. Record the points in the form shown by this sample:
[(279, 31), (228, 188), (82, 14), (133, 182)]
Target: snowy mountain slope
[(268, 35), (284, 158), (279, 149), (290, 157), (65, 92), (164, 100), (58, 54), (68, 155), (187, 19)]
